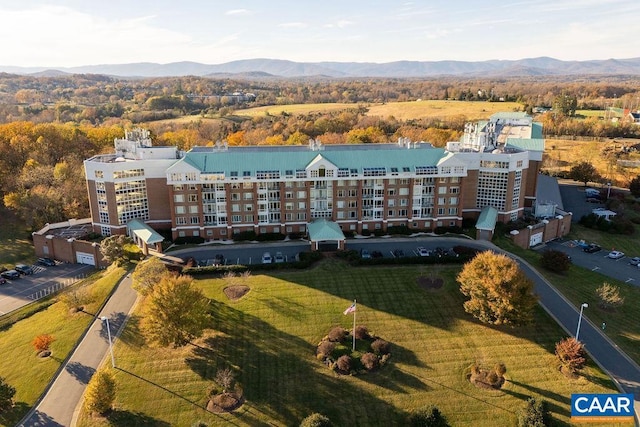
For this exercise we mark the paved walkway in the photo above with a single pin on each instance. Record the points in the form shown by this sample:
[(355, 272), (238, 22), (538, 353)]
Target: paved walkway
[(59, 404)]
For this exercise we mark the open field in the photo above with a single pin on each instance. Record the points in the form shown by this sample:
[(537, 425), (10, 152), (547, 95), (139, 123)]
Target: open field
[(19, 364), (269, 336), (399, 110)]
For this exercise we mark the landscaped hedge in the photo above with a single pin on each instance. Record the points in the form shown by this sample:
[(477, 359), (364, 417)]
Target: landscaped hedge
[(305, 260), (464, 254)]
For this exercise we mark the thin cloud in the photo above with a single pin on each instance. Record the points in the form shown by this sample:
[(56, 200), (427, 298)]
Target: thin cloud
[(293, 25), (237, 12)]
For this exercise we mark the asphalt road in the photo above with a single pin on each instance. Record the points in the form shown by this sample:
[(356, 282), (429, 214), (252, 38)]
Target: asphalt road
[(20, 292)]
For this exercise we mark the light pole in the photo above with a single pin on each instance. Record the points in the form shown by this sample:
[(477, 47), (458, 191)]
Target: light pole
[(113, 360), (608, 189), (582, 307)]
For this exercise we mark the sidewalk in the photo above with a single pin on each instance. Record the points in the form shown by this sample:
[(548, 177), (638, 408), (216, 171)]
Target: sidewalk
[(59, 405)]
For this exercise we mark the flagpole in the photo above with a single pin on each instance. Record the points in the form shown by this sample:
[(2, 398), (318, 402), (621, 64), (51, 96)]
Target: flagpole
[(354, 326)]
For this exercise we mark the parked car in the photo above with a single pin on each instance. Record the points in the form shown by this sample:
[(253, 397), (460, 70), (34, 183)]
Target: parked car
[(398, 253), (364, 254), (593, 200), (10, 274), (279, 257), (266, 258), (218, 259), (23, 269), (423, 251), (615, 255), (47, 262), (591, 248), (3, 280), (635, 260)]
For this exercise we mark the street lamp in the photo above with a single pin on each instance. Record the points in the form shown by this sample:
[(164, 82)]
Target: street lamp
[(582, 307), (608, 189), (113, 360)]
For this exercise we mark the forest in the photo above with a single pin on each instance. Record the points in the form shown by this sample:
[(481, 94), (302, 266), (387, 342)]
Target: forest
[(49, 125)]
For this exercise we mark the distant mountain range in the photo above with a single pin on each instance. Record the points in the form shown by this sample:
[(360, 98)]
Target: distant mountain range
[(276, 68)]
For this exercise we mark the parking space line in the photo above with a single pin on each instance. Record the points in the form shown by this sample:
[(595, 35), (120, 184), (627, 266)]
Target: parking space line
[(629, 280), (595, 268)]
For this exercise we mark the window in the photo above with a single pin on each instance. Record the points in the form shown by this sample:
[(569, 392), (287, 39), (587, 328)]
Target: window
[(302, 194), (442, 190), (403, 191), (235, 196), (194, 220), (391, 192), (181, 220), (180, 210), (391, 203), (193, 198), (178, 198), (178, 187), (454, 190), (302, 205), (248, 196), (248, 207), (235, 208), (404, 202), (99, 174), (453, 200), (453, 211), (441, 200), (248, 218), (236, 218), (193, 209)]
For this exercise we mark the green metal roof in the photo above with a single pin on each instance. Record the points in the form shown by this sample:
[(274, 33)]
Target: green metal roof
[(322, 230), (509, 115), (487, 219), (533, 144), (283, 158), (144, 232), (536, 130)]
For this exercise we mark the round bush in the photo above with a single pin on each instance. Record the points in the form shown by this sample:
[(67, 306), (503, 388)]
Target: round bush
[(370, 361), (326, 347), (344, 363), (361, 332), (316, 420), (428, 416), (337, 334), (381, 346)]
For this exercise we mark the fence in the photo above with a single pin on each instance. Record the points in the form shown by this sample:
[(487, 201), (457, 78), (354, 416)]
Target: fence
[(55, 287)]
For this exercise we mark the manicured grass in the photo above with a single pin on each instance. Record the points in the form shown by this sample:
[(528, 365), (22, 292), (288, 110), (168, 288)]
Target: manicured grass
[(19, 364), (269, 337)]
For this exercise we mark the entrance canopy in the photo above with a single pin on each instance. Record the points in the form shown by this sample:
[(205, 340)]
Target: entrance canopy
[(322, 230), (144, 236)]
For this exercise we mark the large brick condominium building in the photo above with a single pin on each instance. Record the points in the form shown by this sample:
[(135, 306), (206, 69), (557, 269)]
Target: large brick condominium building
[(215, 192)]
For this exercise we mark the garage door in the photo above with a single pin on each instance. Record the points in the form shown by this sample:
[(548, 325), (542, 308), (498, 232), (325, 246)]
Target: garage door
[(535, 239), (85, 258)]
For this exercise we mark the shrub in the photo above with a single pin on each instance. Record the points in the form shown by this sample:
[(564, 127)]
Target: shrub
[(609, 296), (381, 346), (326, 348), (370, 361), (571, 354), (6, 396), (428, 416), (189, 240), (316, 420), (225, 378), (492, 378), (344, 363), (556, 261), (500, 369), (361, 332), (42, 342), (534, 414), (337, 334)]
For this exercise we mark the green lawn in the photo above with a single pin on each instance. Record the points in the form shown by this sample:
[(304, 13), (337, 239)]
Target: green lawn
[(269, 337), (15, 245), (19, 364)]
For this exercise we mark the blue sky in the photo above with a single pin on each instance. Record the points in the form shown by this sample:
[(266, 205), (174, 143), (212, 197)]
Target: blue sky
[(67, 33)]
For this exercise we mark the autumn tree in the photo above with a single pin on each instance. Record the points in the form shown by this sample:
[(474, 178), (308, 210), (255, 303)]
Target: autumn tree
[(115, 248), (175, 312), (225, 378), (609, 296), (100, 392), (75, 298), (570, 354), (428, 416), (42, 342), (584, 172), (316, 420), (498, 291), (6, 396), (147, 274)]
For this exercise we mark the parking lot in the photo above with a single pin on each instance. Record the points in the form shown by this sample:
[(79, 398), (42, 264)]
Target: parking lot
[(44, 280)]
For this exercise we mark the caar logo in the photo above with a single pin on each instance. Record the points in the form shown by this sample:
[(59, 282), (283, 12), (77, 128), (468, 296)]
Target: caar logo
[(602, 407)]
